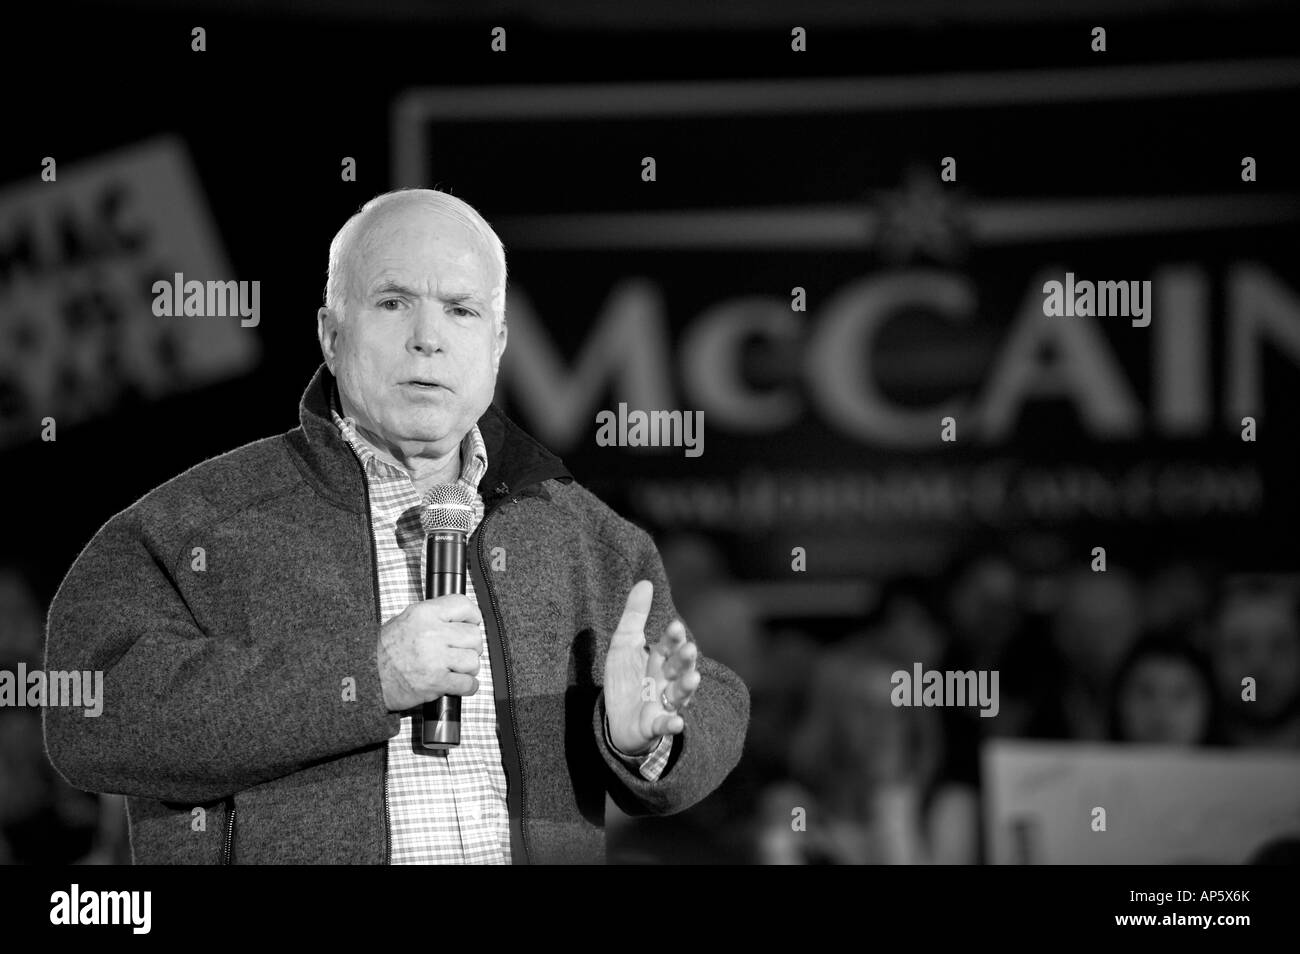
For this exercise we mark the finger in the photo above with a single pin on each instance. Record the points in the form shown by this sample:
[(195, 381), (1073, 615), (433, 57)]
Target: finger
[(681, 661), (679, 691), (464, 661), (673, 639), (654, 667), (682, 691), (453, 608), (667, 724), (461, 685), (464, 636), (637, 610)]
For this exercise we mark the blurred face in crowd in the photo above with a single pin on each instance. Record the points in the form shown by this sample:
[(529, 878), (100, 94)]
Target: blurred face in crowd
[(1099, 619), (416, 344), (985, 604), (1177, 595), (860, 733), (1164, 701), (1257, 636), (21, 622), (912, 632), (24, 770)]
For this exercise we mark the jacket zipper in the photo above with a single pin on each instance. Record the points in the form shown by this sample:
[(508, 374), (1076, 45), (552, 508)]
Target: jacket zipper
[(229, 844), (510, 695)]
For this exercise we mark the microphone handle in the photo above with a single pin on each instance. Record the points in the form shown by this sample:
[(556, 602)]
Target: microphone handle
[(444, 574)]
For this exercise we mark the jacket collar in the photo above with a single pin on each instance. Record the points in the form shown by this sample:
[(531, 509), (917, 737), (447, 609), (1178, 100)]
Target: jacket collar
[(517, 463)]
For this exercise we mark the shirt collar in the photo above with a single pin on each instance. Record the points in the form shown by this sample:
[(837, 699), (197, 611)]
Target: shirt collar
[(473, 452), (518, 464)]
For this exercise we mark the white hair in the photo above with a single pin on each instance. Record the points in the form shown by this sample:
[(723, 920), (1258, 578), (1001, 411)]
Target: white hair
[(458, 209)]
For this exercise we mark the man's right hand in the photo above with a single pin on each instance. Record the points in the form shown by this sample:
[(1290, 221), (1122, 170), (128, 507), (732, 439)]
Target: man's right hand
[(430, 649)]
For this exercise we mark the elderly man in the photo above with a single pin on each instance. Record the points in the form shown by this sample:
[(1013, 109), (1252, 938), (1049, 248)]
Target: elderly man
[(266, 642)]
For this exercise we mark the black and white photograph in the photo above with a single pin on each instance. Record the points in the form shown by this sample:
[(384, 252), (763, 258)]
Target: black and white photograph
[(669, 435)]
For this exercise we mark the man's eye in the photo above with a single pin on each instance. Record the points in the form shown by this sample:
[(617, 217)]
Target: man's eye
[(460, 308), (389, 301)]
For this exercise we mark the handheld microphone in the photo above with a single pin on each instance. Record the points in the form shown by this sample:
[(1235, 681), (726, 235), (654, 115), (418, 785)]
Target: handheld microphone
[(446, 516)]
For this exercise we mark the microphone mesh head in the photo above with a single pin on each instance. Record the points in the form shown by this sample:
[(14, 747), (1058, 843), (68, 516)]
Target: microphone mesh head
[(447, 507)]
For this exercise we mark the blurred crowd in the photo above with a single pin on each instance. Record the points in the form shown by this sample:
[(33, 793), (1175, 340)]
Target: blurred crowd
[(835, 773), (1109, 656)]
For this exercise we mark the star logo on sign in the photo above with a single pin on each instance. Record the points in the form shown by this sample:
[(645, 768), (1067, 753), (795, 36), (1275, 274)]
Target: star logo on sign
[(918, 218)]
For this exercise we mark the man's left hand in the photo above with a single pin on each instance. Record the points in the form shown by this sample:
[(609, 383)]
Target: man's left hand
[(639, 678)]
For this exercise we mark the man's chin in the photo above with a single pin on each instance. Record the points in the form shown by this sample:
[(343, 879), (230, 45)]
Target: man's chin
[(441, 439), (430, 432)]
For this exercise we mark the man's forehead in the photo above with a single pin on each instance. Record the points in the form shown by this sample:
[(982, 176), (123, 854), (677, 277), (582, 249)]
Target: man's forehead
[(424, 249), (412, 224)]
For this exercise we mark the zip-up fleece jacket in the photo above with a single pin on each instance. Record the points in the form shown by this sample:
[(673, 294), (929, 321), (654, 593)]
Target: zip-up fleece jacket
[(235, 613)]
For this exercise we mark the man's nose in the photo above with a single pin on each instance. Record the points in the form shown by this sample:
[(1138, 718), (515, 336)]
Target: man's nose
[(426, 332)]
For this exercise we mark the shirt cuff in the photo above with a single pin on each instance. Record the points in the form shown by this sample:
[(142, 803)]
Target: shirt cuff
[(651, 764)]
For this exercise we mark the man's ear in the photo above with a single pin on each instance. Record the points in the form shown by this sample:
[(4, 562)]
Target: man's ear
[(500, 343), (327, 330)]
